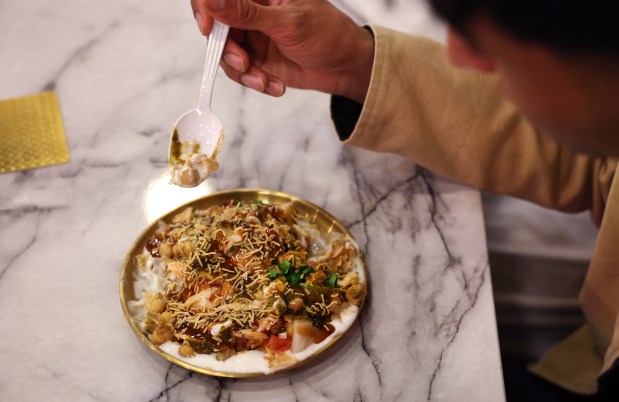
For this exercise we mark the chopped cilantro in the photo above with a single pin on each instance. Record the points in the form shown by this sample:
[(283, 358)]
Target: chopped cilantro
[(304, 270), (294, 275), (331, 281), (273, 273), (284, 266), (294, 278)]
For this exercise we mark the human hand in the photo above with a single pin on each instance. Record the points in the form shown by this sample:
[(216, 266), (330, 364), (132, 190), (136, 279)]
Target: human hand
[(306, 44)]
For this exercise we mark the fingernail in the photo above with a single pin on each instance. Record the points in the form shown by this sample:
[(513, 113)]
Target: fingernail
[(199, 20), (275, 88), (252, 82), (234, 61)]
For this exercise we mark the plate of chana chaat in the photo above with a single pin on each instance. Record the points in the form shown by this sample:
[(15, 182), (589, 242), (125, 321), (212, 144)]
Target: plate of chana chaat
[(243, 283)]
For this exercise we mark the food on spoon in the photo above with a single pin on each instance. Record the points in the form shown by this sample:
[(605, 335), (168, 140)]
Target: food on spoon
[(246, 277), (193, 171), (188, 165)]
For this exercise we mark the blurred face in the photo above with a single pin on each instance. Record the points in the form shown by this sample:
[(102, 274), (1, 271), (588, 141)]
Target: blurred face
[(575, 99)]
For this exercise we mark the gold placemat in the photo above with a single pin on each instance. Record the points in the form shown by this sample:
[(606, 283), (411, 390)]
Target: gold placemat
[(31, 133)]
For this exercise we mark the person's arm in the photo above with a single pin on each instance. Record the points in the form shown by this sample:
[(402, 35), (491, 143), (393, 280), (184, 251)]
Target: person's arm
[(457, 123), (450, 120)]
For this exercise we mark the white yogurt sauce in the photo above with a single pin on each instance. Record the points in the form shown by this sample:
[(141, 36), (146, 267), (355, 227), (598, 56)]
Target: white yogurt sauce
[(253, 361)]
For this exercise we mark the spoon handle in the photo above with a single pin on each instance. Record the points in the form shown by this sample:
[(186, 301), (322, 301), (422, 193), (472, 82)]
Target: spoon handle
[(214, 48)]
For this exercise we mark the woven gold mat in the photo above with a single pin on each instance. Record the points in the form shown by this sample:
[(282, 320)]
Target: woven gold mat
[(31, 133)]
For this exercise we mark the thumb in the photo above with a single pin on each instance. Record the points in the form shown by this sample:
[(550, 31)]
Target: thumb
[(241, 14)]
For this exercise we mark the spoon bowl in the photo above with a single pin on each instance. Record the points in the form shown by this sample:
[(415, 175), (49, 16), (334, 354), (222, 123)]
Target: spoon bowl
[(198, 134)]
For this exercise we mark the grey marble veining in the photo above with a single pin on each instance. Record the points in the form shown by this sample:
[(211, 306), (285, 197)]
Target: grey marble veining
[(124, 71)]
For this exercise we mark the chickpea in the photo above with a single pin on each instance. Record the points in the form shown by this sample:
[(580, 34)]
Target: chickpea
[(296, 304), (149, 324), (186, 350), (161, 335), (176, 250), (355, 294), (225, 354), (155, 304), (187, 248), (167, 317), (165, 250)]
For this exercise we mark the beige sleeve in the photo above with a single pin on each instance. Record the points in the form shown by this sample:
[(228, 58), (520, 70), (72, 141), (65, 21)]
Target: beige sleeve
[(457, 123)]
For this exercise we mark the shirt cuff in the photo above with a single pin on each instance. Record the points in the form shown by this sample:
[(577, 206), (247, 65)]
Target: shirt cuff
[(345, 113)]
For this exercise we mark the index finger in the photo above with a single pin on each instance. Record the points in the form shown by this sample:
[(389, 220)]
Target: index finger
[(243, 14), (203, 19)]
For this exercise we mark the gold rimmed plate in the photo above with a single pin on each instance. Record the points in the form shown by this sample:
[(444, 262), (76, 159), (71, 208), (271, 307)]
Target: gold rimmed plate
[(250, 363)]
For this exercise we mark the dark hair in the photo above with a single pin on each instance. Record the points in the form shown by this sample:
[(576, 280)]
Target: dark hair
[(567, 26)]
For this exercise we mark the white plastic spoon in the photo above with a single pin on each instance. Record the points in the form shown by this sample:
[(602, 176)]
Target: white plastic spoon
[(198, 134)]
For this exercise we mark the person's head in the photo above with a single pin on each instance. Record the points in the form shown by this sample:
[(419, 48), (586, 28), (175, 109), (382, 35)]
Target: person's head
[(558, 60)]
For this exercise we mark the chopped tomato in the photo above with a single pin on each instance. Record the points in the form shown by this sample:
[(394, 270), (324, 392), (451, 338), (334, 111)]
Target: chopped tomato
[(277, 344)]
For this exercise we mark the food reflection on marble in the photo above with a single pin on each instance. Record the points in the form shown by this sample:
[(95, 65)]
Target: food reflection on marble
[(161, 197), (246, 287)]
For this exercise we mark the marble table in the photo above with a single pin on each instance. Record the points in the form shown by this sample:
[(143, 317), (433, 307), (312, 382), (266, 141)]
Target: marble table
[(124, 70)]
